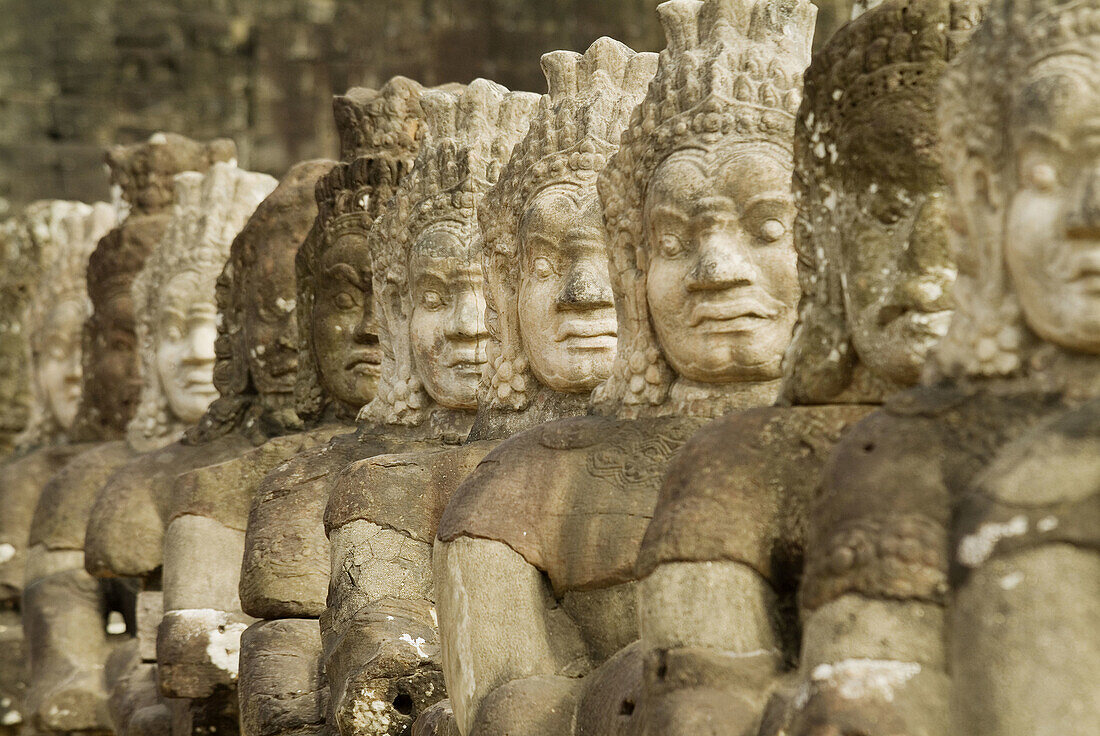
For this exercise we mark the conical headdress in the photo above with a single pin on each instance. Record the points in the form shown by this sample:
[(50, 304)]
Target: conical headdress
[(470, 136), (573, 133)]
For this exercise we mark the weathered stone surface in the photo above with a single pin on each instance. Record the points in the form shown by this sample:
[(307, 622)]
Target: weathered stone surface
[(13, 683), (723, 559), (912, 492), (379, 634), (282, 688), (542, 641)]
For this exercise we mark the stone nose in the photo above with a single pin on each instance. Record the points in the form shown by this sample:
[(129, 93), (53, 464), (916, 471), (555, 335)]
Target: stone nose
[(1083, 219), (586, 286), (721, 261), (467, 315)]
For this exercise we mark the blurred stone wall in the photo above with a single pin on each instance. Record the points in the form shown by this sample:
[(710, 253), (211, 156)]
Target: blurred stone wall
[(76, 75)]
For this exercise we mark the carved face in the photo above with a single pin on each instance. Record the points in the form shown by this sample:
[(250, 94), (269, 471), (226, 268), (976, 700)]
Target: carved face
[(896, 273), (114, 354), (186, 328), (721, 280), (1052, 239), (270, 329), (447, 329), (345, 334), (59, 369), (566, 308)]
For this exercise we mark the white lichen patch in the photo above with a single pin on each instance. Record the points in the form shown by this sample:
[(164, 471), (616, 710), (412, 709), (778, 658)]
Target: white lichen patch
[(856, 679), (287, 305), (974, 549), (1010, 581), (7, 552), (369, 713), (11, 718), (417, 644), (224, 648)]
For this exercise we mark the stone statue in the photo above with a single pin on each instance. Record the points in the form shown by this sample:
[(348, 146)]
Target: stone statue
[(66, 608), (254, 418), (176, 328), (550, 308), (429, 290), (722, 557), (59, 236), (20, 260), (933, 498), (1019, 105), (284, 577), (534, 559)]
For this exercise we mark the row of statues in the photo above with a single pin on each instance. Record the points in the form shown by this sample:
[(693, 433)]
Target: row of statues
[(723, 391)]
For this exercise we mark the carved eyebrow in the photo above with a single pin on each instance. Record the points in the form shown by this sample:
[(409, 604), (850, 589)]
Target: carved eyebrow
[(667, 211), (781, 198), (347, 273)]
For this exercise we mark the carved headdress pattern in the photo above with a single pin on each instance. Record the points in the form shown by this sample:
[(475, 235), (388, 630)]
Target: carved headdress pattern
[(868, 120), (732, 71), (211, 208), (980, 95), (144, 172), (573, 133), (64, 235), (380, 133), (470, 135)]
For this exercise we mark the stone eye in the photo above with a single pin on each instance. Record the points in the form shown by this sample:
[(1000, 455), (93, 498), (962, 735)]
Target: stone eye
[(1043, 176), (772, 230), (432, 299), (670, 246), (344, 300), (543, 267)]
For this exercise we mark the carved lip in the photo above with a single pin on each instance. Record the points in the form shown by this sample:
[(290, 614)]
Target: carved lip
[(735, 315), (282, 368), (363, 359), (931, 321), (1087, 271), (583, 330)]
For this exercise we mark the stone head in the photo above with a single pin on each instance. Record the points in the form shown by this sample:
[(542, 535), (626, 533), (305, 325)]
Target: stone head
[(339, 360), (429, 286), (144, 172), (871, 231), (174, 297), (699, 211), (65, 233), (1020, 117), (551, 313), (112, 372)]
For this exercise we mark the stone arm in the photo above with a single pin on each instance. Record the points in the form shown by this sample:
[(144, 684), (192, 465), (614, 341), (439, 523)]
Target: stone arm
[(199, 637), (380, 631), (513, 659), (873, 659), (1024, 637)]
